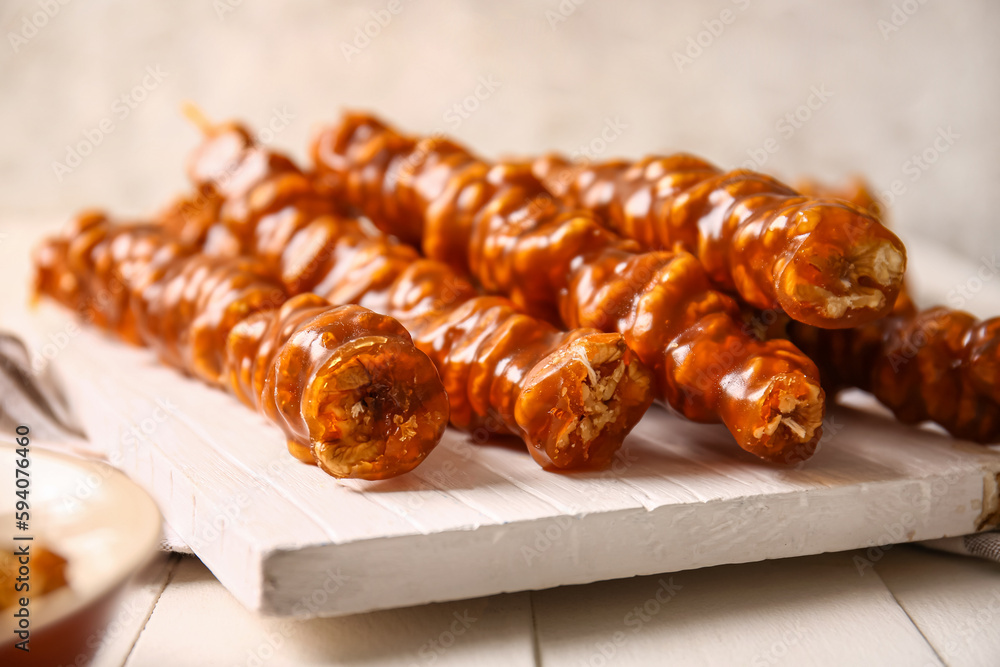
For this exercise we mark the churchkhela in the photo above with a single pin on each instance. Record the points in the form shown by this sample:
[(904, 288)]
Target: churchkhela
[(823, 261), (937, 364), (498, 222), (572, 395), (346, 385)]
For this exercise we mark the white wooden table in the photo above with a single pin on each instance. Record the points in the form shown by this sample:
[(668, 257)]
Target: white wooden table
[(902, 605)]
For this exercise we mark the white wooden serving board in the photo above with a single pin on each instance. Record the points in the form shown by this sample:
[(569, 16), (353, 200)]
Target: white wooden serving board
[(476, 520), (286, 539)]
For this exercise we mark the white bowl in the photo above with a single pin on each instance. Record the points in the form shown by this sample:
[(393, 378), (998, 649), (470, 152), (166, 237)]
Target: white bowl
[(104, 525)]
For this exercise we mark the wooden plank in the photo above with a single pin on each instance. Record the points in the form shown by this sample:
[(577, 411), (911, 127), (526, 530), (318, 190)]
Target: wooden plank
[(133, 611), (954, 600), (196, 622), (801, 611)]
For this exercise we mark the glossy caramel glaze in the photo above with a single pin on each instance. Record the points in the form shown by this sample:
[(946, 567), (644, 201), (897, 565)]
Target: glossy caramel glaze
[(937, 364), (500, 223), (856, 191), (346, 385), (350, 382), (823, 261), (572, 396), (90, 267)]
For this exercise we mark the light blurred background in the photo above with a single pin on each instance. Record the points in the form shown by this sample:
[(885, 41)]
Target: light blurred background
[(888, 80)]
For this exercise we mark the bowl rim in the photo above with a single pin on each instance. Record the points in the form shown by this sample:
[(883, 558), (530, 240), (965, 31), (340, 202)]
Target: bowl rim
[(142, 527)]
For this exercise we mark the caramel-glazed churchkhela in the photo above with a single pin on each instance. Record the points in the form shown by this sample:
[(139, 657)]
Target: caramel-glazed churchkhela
[(346, 385), (937, 364), (824, 262), (572, 396), (499, 222)]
